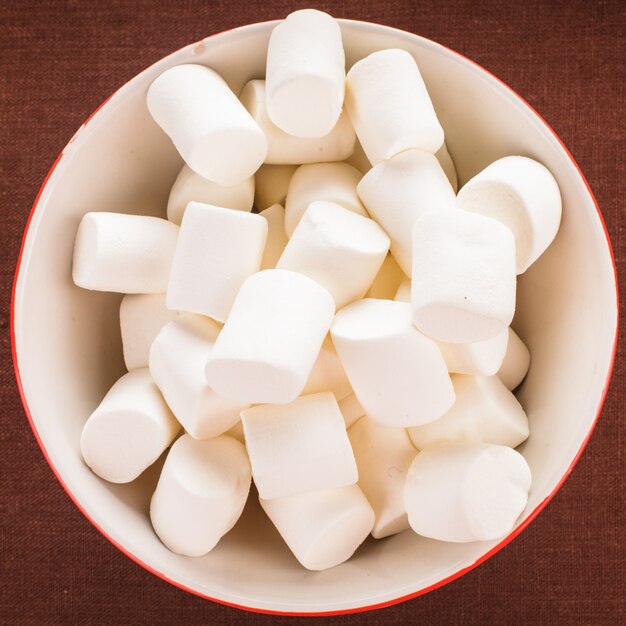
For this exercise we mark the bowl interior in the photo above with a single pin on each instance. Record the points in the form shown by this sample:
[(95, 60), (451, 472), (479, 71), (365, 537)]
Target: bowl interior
[(68, 349)]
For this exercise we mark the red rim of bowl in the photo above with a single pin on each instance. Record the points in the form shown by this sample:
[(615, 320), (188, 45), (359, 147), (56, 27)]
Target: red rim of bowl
[(514, 533)]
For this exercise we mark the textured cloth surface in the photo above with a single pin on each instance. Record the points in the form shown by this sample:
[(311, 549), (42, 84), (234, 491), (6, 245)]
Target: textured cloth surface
[(60, 59)]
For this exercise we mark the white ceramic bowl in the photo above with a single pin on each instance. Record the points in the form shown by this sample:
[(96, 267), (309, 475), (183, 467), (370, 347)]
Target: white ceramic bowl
[(67, 348)]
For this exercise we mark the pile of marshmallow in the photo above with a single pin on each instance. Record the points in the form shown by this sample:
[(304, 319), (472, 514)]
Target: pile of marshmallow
[(347, 345)]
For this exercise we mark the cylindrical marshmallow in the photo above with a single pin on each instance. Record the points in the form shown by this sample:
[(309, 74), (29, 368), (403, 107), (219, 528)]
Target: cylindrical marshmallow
[(270, 185), (123, 253), (210, 128), (177, 359), (515, 363), (276, 236), (466, 491), (389, 106), (217, 250), (274, 332), (484, 411), (298, 447), (331, 182), (481, 358), (396, 193), (463, 284), (191, 187), (383, 457), (397, 373), (524, 196), (322, 528), (282, 148), (129, 429), (141, 318), (236, 432), (351, 409), (305, 74), (387, 281), (340, 250), (201, 493), (403, 294), (328, 374), (446, 162)]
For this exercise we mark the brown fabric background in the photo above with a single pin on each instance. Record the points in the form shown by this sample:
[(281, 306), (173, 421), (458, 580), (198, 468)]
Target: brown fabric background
[(60, 60)]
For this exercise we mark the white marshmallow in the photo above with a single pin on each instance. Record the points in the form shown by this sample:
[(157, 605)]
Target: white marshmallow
[(191, 187), (201, 493), (387, 281), (359, 159), (141, 318), (340, 250), (485, 411), (129, 429), (282, 148), (305, 74), (123, 253), (351, 409), (524, 196), (403, 294), (446, 162), (397, 373), (274, 332), (210, 128), (396, 193), (271, 184), (516, 362), (466, 491), (331, 182), (217, 250), (298, 447), (177, 359), (383, 456), (322, 528), (276, 236), (389, 106), (482, 358), (463, 285), (327, 373), (236, 432)]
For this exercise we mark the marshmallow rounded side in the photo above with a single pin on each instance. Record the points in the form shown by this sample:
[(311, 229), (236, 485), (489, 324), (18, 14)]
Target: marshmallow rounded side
[(516, 362), (340, 250), (177, 360), (524, 196), (463, 284), (270, 341), (129, 429), (201, 493), (322, 528), (396, 193), (210, 128), (305, 74), (484, 411), (351, 409), (331, 182), (397, 373), (481, 358), (383, 457), (389, 106), (141, 318), (284, 149), (270, 185), (464, 492), (191, 187), (217, 250), (123, 253), (298, 447)]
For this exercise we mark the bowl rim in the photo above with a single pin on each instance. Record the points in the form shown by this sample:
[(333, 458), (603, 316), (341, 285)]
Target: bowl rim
[(369, 607)]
